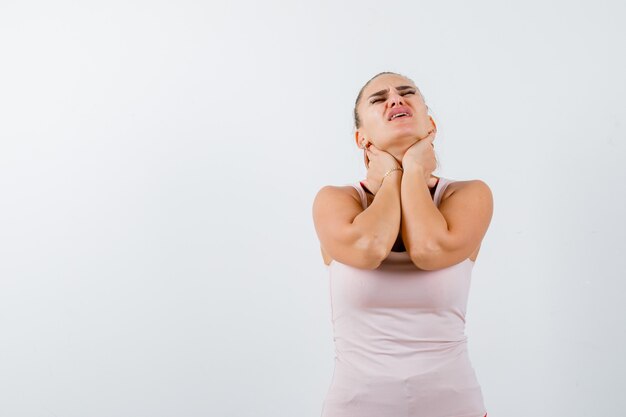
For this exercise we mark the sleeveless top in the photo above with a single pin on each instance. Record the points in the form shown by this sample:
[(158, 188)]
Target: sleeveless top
[(399, 336)]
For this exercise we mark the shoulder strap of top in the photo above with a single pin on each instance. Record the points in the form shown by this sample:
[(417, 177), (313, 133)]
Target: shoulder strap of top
[(361, 192), (441, 187)]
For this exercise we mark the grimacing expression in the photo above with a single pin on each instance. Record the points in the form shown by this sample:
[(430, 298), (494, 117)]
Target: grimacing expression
[(393, 114)]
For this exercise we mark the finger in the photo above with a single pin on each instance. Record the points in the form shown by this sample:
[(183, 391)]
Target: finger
[(428, 138)]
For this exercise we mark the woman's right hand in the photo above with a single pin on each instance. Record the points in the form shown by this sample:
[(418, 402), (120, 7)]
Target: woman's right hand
[(378, 162)]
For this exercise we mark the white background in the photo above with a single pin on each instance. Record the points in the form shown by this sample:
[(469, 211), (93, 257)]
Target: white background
[(158, 165)]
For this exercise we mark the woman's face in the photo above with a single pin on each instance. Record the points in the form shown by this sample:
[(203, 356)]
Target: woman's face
[(385, 96)]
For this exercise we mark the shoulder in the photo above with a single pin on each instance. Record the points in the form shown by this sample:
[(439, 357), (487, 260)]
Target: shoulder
[(476, 187), (332, 191), (330, 194)]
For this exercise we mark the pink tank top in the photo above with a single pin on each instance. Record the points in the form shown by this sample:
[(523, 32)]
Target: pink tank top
[(400, 343)]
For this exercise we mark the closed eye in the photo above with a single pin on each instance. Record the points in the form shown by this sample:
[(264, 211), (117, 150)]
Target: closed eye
[(402, 94)]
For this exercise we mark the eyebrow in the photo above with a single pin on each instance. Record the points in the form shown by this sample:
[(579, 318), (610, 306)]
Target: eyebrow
[(399, 88)]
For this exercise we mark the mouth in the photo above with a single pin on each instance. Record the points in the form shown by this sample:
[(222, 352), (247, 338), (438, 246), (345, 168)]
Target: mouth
[(399, 112), (402, 115)]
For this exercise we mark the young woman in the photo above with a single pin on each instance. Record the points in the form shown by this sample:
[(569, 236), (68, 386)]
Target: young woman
[(400, 247)]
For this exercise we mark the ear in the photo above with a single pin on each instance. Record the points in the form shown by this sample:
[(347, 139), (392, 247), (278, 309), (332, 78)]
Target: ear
[(356, 138)]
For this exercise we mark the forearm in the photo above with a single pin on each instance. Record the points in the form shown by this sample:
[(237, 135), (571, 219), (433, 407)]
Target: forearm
[(422, 223), (381, 220)]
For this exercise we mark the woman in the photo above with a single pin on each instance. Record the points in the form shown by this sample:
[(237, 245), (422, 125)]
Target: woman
[(400, 246)]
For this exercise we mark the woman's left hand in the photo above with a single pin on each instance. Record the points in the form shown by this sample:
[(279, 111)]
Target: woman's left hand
[(422, 155)]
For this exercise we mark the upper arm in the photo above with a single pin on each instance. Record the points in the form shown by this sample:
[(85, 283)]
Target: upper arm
[(468, 212), (334, 211)]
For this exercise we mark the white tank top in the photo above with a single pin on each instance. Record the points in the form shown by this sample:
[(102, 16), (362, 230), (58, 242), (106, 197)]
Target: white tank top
[(400, 343)]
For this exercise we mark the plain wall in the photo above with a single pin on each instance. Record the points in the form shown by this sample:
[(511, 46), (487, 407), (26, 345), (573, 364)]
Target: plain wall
[(158, 164)]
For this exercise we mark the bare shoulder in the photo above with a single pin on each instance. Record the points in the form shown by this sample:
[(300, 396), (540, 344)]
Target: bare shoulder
[(475, 187), (332, 191)]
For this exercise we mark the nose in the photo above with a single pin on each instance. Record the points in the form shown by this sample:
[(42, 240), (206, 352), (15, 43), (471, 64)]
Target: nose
[(395, 99)]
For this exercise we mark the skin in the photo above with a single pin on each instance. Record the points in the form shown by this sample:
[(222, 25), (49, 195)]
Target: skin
[(435, 237), (394, 137)]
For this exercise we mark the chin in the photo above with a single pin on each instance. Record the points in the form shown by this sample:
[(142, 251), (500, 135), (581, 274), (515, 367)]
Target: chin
[(403, 140)]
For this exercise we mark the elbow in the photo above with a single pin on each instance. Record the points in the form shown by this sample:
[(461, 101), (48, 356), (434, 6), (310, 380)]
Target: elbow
[(423, 255), (419, 260), (375, 254)]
